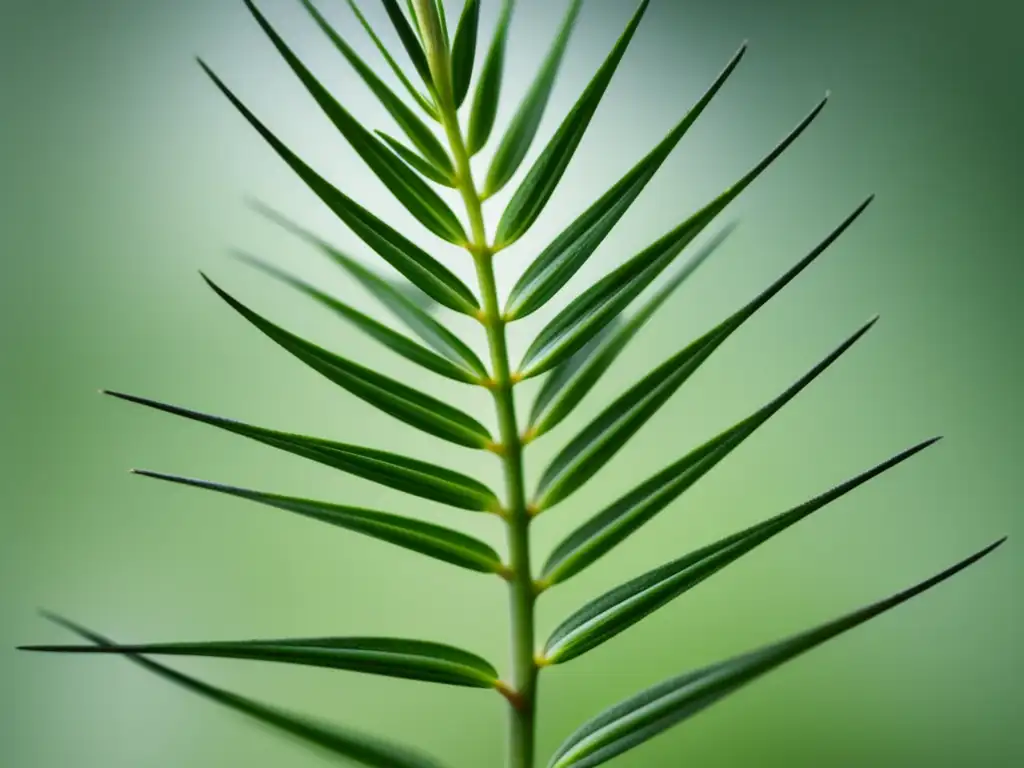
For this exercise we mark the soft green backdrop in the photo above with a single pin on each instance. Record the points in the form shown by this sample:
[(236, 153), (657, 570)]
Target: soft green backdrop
[(124, 173)]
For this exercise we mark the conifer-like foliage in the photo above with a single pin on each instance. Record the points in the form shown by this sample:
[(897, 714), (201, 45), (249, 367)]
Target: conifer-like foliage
[(451, 87)]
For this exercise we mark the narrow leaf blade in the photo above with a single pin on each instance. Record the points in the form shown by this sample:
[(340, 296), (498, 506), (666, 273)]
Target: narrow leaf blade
[(618, 610), (434, 541), (596, 306), (567, 254), (464, 50), (413, 310), (413, 127), (389, 657), (425, 104), (421, 165), (523, 129), (410, 41), (421, 269), (572, 379), (347, 744), (605, 436), (407, 187), (411, 476), (394, 341), (394, 398), (488, 88), (533, 194), (640, 718)]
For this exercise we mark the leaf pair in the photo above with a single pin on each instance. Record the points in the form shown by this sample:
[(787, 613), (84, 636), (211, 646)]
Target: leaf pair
[(654, 710)]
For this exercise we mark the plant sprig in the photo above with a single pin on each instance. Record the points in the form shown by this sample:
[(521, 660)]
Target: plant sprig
[(571, 352)]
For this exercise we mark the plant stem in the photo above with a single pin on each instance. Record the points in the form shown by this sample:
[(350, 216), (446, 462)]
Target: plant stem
[(523, 699)]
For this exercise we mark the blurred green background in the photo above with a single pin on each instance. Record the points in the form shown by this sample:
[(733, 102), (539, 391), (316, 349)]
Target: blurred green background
[(124, 173)]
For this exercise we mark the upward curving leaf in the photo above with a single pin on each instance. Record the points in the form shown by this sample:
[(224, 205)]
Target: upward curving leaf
[(464, 50), (418, 478), (410, 41), (425, 103), (422, 166), (523, 129), (421, 269), (405, 304), (390, 657), (404, 403), (616, 611), (608, 433), (350, 745), (488, 88), (641, 717), (421, 136), (431, 540), (538, 186), (573, 378), (574, 325), (396, 342), (561, 260), (406, 185)]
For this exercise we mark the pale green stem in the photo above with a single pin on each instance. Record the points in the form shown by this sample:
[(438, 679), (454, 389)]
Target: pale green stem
[(523, 695)]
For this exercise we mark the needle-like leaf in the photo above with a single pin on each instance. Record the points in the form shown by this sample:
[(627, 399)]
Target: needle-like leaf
[(432, 540), (464, 50), (561, 260), (390, 657), (608, 433), (394, 398), (571, 380), (488, 87), (436, 156), (406, 305), (410, 41), (421, 269), (425, 103), (626, 515), (406, 185), (616, 611), (538, 186), (394, 341), (353, 746), (523, 129), (573, 326), (422, 166), (640, 718), (417, 478)]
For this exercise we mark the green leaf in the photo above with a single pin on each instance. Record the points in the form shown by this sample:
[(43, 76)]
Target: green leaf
[(350, 745), (407, 303), (641, 717), (410, 41), (418, 478), (394, 398), (422, 270), (396, 342), (539, 184), (574, 325), (561, 260), (420, 135), (421, 165), (626, 515), (390, 657), (432, 540), (425, 104), (406, 185), (488, 88), (464, 50), (616, 611), (523, 129), (595, 446), (572, 379)]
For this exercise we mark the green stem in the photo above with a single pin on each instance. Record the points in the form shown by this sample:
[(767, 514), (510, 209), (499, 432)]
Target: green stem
[(523, 695)]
